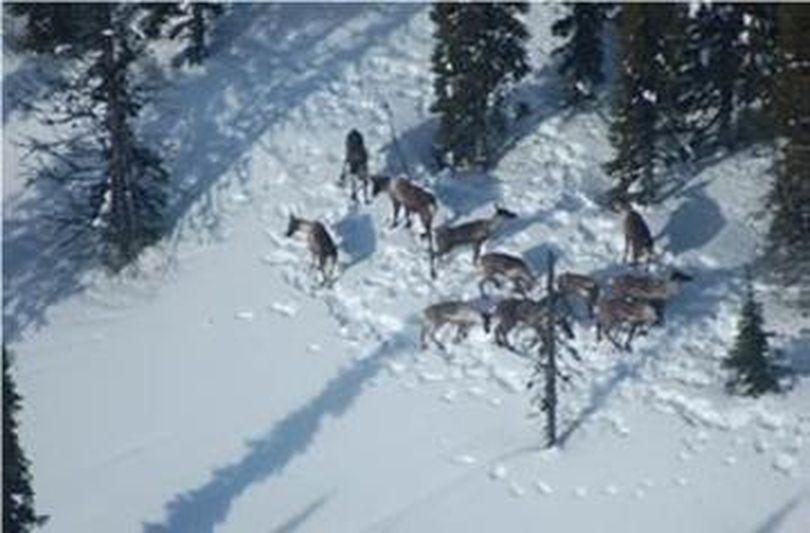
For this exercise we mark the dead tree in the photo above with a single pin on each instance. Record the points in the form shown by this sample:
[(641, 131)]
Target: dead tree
[(547, 363)]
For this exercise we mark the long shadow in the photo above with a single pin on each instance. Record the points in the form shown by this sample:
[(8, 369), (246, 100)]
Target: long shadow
[(695, 223), (358, 238), (258, 81), (600, 394), (30, 82), (200, 510), (42, 263), (774, 522), (298, 520), (266, 60)]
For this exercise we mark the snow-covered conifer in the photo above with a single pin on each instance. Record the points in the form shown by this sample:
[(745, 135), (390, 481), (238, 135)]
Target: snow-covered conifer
[(479, 54)]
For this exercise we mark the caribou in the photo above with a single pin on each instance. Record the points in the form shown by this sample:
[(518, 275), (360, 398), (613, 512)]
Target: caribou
[(614, 312), (512, 312), (474, 233), (319, 243), (496, 265), (638, 240), (355, 165), (580, 285), (463, 315), (413, 198), (657, 291)]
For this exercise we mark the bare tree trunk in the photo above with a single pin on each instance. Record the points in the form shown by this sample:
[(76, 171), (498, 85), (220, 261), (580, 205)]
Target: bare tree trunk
[(119, 150), (549, 349)]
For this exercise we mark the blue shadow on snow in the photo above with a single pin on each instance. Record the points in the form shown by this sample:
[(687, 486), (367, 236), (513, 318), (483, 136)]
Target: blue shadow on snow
[(200, 510)]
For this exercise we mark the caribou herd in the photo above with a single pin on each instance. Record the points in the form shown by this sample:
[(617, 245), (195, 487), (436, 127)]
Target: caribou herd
[(630, 302)]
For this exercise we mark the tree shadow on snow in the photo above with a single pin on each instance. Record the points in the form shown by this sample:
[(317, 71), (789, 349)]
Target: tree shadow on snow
[(776, 520), (298, 520), (266, 60), (199, 510), (30, 82), (42, 262), (601, 392), (274, 61)]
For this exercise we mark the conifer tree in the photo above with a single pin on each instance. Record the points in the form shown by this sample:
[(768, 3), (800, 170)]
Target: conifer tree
[(731, 62), (752, 372), (581, 56), (634, 128), (19, 515), (650, 120), (113, 187), (479, 53), (789, 249), (714, 77), (759, 57)]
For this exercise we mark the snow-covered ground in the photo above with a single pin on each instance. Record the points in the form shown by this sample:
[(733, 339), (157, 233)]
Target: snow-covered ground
[(221, 390)]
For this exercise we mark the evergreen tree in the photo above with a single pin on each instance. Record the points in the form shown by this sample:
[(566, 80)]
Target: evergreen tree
[(731, 61), (581, 56), (479, 53), (753, 373), (714, 44), (759, 60), (18, 496), (190, 22), (651, 112), (114, 187), (790, 197), (633, 131)]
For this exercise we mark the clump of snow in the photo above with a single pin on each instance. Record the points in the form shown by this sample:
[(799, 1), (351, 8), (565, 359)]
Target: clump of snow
[(499, 471), (465, 459), (245, 315), (543, 488), (288, 309), (516, 489), (785, 463)]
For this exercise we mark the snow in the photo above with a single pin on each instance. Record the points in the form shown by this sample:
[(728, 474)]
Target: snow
[(230, 392)]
